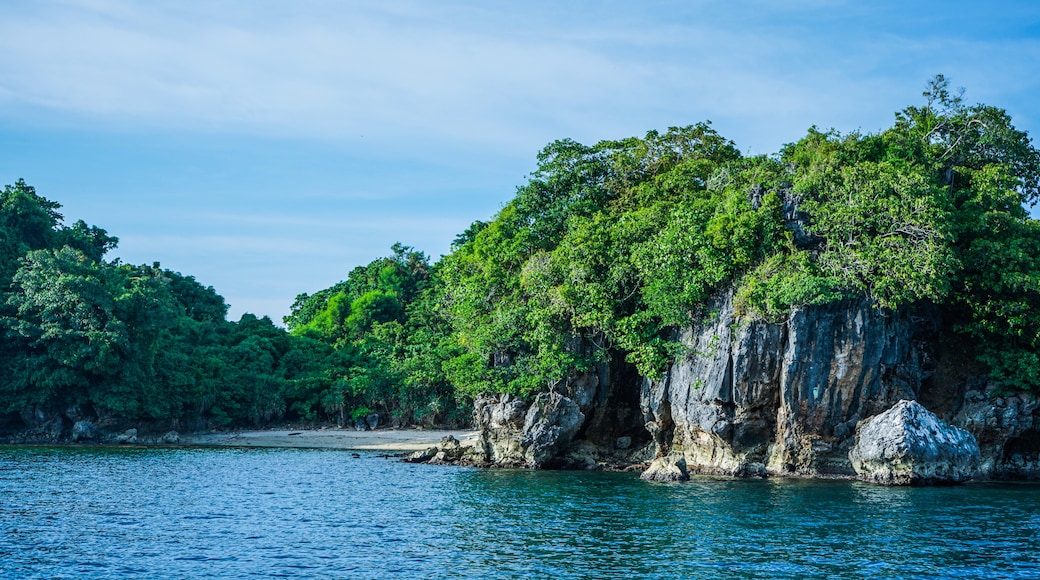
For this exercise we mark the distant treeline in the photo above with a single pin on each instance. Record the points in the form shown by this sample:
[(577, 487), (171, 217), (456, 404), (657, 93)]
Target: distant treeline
[(606, 251), (141, 342)]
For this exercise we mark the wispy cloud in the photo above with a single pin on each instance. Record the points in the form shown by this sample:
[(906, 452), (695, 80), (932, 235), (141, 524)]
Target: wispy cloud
[(464, 73), (271, 144)]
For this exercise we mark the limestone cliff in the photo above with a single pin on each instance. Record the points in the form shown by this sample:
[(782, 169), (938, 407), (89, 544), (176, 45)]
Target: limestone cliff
[(759, 398), (588, 419), (782, 398)]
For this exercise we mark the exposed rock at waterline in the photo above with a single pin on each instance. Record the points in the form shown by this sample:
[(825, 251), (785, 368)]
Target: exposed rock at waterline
[(590, 420), (501, 422), (908, 445), (550, 425), (783, 398), (516, 434), (83, 431), (1007, 429), (668, 468), (755, 398), (449, 450)]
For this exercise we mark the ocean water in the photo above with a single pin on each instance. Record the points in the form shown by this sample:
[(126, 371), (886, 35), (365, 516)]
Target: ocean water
[(254, 513)]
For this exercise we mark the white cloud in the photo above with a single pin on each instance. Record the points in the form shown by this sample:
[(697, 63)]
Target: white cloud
[(507, 78), (412, 105)]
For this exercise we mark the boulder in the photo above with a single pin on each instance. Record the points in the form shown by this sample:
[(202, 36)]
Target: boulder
[(423, 456), (908, 445), (84, 431), (372, 421), (450, 450), (500, 419), (550, 425), (666, 468), (75, 413), (128, 437), (170, 438)]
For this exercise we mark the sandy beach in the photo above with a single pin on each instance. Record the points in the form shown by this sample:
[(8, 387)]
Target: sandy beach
[(378, 440)]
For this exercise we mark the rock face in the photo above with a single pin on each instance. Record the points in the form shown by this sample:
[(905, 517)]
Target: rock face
[(758, 398), (128, 437), (908, 445), (501, 422), (550, 425), (83, 431), (667, 469), (596, 411), (531, 435), (753, 398), (1007, 429), (41, 425)]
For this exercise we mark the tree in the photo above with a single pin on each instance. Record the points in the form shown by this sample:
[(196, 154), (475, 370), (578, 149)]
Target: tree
[(67, 328)]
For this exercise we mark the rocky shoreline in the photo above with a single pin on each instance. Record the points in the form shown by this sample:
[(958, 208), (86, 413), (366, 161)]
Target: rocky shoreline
[(838, 391)]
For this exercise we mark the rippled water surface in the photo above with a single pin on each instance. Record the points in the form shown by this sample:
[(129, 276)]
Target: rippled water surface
[(228, 513)]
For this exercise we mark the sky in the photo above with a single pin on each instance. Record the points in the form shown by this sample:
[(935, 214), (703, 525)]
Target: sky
[(268, 148)]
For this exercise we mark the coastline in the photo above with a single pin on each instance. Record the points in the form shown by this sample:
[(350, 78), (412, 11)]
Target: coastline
[(346, 439)]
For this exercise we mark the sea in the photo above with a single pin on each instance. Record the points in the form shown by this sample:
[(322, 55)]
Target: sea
[(85, 512)]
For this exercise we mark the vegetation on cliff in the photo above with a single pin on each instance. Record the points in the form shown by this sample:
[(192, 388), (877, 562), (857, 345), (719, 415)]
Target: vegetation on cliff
[(610, 248), (606, 251)]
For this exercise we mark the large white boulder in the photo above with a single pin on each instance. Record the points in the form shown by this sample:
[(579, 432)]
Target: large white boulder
[(909, 445)]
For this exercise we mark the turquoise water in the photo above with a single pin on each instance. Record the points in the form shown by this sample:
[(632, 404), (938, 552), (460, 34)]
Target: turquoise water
[(229, 513)]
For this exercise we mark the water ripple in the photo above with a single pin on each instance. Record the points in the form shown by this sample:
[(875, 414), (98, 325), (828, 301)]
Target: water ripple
[(112, 513)]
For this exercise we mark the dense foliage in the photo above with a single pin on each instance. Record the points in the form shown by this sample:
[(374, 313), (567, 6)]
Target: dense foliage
[(606, 251), (385, 324), (135, 342), (610, 248)]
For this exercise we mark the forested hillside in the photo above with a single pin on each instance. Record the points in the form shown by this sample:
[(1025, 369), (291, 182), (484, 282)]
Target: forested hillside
[(607, 251)]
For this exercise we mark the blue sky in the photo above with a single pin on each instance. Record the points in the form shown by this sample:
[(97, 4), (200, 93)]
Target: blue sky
[(267, 148)]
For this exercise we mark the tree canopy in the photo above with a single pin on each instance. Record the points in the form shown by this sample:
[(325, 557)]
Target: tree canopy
[(608, 250)]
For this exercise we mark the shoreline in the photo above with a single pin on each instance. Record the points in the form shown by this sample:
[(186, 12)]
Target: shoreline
[(344, 439)]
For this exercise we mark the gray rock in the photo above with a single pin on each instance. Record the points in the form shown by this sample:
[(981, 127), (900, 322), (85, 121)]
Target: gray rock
[(755, 397), (1007, 431), (784, 395), (170, 438), (549, 427), (128, 437), (42, 425), (666, 469), (449, 442), (450, 450), (500, 419), (507, 411), (423, 455), (74, 413), (908, 445), (581, 388), (372, 420), (623, 442), (84, 431)]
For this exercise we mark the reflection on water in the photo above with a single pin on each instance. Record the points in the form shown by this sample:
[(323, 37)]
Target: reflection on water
[(304, 513)]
